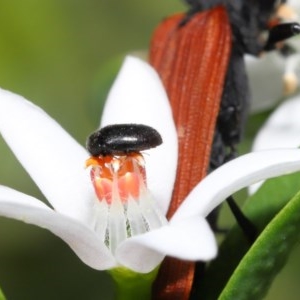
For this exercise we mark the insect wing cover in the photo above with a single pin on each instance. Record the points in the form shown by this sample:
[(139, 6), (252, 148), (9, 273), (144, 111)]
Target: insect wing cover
[(191, 60)]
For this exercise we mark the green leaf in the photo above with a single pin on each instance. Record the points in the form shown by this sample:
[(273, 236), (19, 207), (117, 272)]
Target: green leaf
[(255, 273), (260, 209), (2, 295)]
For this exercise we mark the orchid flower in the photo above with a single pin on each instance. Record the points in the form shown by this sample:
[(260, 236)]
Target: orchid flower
[(55, 161)]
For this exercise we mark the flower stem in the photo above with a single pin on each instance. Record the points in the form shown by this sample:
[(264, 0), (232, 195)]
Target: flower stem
[(131, 285)]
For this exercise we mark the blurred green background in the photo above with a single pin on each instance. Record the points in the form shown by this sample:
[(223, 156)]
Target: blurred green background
[(56, 53)]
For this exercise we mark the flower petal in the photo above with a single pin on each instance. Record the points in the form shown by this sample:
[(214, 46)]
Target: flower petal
[(265, 78), (282, 129), (53, 159), (84, 242), (189, 239), (235, 175), (295, 4), (138, 96)]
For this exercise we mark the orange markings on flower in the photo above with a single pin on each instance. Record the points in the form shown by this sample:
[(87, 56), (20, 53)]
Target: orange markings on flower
[(117, 176)]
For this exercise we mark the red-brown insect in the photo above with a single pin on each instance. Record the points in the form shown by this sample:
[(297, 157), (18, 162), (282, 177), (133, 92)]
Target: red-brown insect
[(199, 56), (194, 84)]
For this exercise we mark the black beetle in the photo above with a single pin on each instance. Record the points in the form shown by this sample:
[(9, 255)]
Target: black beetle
[(122, 139)]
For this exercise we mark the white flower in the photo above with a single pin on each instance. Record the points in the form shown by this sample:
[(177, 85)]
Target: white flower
[(273, 76), (265, 79), (280, 131), (55, 161)]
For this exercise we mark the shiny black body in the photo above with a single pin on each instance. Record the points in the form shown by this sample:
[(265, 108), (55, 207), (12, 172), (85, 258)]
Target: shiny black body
[(122, 139)]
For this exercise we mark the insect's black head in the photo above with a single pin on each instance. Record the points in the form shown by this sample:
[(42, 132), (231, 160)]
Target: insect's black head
[(122, 139)]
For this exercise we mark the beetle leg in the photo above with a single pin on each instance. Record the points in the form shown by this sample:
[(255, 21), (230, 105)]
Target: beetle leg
[(249, 229), (280, 33)]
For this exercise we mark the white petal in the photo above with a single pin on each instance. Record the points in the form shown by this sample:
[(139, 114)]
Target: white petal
[(235, 175), (190, 239), (265, 78), (49, 154), (84, 242), (137, 257), (282, 129), (295, 4), (138, 96)]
